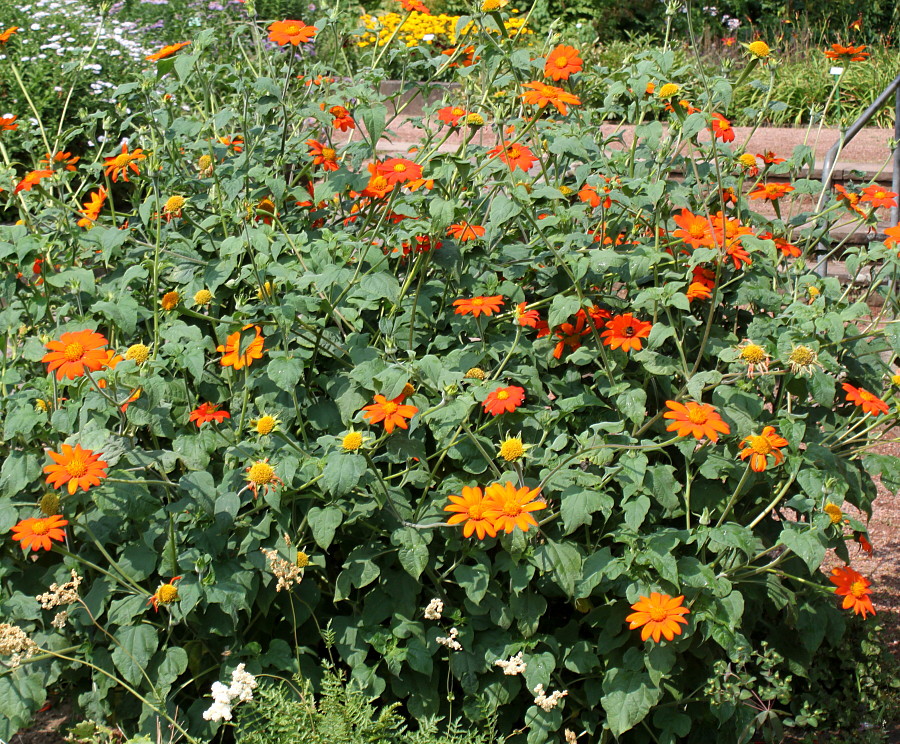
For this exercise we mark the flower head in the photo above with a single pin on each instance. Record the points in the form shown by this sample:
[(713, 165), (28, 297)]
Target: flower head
[(625, 332), (771, 191), (478, 305), (39, 532), (119, 165), (512, 449), (758, 447), (261, 475), (392, 412), (92, 207), (475, 373), (854, 588), (834, 513), (514, 155), (166, 593), (290, 32), (207, 412), (31, 180), (658, 615), (512, 507), (170, 300), (451, 115), (722, 128), (803, 360), (562, 62), (570, 334), (398, 170), (232, 356), (7, 34), (840, 53), (464, 231), (864, 399), (754, 356), (75, 353), (138, 353), (265, 424), (323, 155), (697, 419), (167, 51), (878, 196), (352, 441), (542, 95), (203, 297), (758, 49), (504, 400), (471, 510), (694, 229), (80, 468), (668, 90)]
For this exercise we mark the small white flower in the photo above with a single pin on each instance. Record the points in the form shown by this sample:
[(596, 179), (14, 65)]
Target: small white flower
[(450, 641), (548, 702), (434, 609), (513, 665)]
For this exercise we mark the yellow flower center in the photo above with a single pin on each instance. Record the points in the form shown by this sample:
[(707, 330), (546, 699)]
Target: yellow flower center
[(329, 153), (170, 300), (478, 374), (40, 527), (668, 90), (858, 589), (562, 62), (880, 194), (302, 559), (76, 467), (122, 160), (802, 355), (747, 159), (512, 508), (292, 30), (204, 162), (512, 449), (265, 425), (476, 120), (167, 593), (261, 473), (502, 395), (753, 354), (173, 204), (697, 230), (513, 153), (698, 415), (759, 49), (399, 167), (657, 614), (760, 445), (203, 297), (49, 504), (73, 352), (352, 441), (138, 353), (834, 513), (390, 408), (813, 292), (476, 511), (895, 379), (456, 111)]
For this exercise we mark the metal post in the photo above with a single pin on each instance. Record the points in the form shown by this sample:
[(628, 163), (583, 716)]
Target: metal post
[(895, 181)]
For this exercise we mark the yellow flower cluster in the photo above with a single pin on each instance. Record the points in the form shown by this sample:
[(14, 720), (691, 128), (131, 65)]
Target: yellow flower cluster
[(422, 29)]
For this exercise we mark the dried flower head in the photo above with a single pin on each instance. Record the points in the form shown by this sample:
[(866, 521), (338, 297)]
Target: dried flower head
[(138, 353), (513, 665), (450, 640), (475, 373), (803, 360), (286, 572), (754, 356), (434, 609), (548, 702), (203, 297), (15, 643), (61, 595)]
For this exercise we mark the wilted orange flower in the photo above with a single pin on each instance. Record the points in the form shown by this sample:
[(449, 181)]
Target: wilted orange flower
[(39, 532), (864, 399), (75, 352), (511, 507), (120, 164), (698, 291), (291, 32), (265, 211), (342, 118), (451, 115), (863, 542), (167, 51), (787, 249), (78, 467), (515, 156), (261, 475), (31, 180), (8, 123), (541, 95), (231, 349), (65, 159), (850, 199), (625, 332), (854, 588), (759, 447), (694, 229), (323, 155), (697, 419), (233, 143), (92, 207), (658, 615), (562, 62), (722, 128), (846, 53), (397, 170), (391, 412), (471, 508), (771, 191), (570, 334), (878, 196), (7, 35), (504, 400), (111, 362), (414, 6), (165, 594), (464, 231), (478, 305), (206, 412)]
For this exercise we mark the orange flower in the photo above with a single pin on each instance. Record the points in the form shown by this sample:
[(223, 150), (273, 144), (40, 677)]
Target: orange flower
[(698, 291), (75, 352), (118, 165), (208, 412), (865, 400), (236, 143), (471, 508), (165, 594), (464, 231), (722, 128), (771, 191), (414, 6), (39, 532), (478, 305), (863, 542), (166, 51), (468, 55), (511, 507), (504, 400), (111, 362), (694, 229), (525, 317), (8, 123), (854, 588), (31, 180), (570, 335), (542, 95), (893, 236), (66, 159), (397, 170), (770, 158), (391, 412), (625, 331), (515, 156), (451, 115), (659, 614), (562, 62), (846, 53), (759, 447), (699, 419), (878, 197), (92, 207), (342, 118), (7, 35), (231, 349), (80, 468), (291, 32), (323, 155), (849, 198), (787, 249), (261, 475)]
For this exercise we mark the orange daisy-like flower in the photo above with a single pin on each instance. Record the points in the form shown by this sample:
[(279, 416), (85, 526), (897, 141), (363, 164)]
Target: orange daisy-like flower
[(789, 250), (342, 118), (291, 32), (231, 349), (476, 306), (414, 6), (846, 53), (570, 334), (658, 615), (722, 128), (8, 123), (233, 143), (75, 352), (64, 159), (511, 507), (31, 180), (515, 156), (397, 170), (78, 467), (854, 588), (39, 532), (323, 155), (771, 191), (526, 317), (625, 332), (864, 399), (699, 419), (893, 236), (504, 400), (451, 115), (120, 164), (464, 231), (165, 594), (167, 51), (562, 62), (770, 158), (698, 291), (694, 229), (7, 35), (878, 197), (850, 199), (391, 412), (92, 207), (759, 447), (208, 412), (471, 509), (541, 95)]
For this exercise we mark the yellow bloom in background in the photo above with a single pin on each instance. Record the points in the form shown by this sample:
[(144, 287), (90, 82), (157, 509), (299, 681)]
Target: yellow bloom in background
[(748, 160), (203, 297), (352, 441), (758, 49), (488, 5), (512, 449), (170, 300), (265, 424), (669, 90), (475, 120), (895, 379), (834, 513), (266, 291), (476, 373), (138, 353)]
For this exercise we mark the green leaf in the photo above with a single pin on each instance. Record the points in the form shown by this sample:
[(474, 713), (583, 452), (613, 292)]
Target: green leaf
[(809, 544), (373, 116), (135, 645), (285, 373), (21, 694), (633, 404), (413, 551), (502, 209), (474, 580), (563, 561), (324, 523), (342, 472), (628, 698), (577, 505), (561, 308)]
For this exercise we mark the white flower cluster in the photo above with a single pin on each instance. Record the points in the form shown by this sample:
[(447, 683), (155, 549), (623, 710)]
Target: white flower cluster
[(513, 665), (450, 641), (434, 609), (240, 691), (548, 702)]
